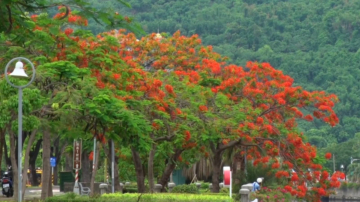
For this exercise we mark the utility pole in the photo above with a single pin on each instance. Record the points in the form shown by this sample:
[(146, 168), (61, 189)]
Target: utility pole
[(334, 162)]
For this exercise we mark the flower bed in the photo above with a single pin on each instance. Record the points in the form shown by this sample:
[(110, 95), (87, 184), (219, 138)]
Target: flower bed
[(272, 195)]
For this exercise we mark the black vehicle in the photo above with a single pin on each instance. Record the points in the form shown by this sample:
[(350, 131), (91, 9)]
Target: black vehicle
[(7, 185)]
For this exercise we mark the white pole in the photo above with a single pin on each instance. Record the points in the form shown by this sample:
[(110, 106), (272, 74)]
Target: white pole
[(230, 184), (94, 154), (76, 186), (112, 167), (20, 145)]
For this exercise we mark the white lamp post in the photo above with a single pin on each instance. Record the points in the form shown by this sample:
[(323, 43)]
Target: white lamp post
[(112, 167), (352, 160), (19, 72)]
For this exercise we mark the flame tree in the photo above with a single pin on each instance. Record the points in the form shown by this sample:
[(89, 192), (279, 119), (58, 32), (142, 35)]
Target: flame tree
[(265, 102), (190, 99)]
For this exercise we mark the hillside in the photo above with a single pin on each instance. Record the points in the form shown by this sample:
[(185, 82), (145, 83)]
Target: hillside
[(315, 41)]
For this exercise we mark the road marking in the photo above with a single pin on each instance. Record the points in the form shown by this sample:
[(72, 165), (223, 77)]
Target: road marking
[(39, 191)]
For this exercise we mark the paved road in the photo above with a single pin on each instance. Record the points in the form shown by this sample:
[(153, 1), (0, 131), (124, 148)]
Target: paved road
[(33, 193)]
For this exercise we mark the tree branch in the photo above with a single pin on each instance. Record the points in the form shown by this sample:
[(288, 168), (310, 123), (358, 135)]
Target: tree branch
[(166, 138), (229, 145), (10, 19)]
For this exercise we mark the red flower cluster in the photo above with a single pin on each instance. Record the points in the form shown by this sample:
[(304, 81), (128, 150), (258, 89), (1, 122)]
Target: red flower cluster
[(91, 156), (203, 108), (187, 136), (328, 155)]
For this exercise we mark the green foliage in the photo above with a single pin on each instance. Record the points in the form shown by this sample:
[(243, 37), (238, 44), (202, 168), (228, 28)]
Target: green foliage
[(342, 152), (130, 190), (185, 188), (315, 42), (103, 14), (204, 185), (254, 172), (224, 190), (345, 186), (144, 198)]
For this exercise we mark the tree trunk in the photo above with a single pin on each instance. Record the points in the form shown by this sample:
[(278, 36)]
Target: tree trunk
[(151, 168), (13, 148), (107, 151), (97, 155), (2, 143), (14, 166), (68, 162), (50, 187), (33, 177), (7, 157), (59, 150), (24, 136), (46, 174), (86, 168), (169, 169), (26, 159), (32, 163), (56, 171), (139, 171), (216, 171)]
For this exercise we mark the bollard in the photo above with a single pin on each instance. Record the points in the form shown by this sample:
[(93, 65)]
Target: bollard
[(198, 185), (103, 188), (121, 187), (210, 186), (221, 185), (244, 195), (248, 186), (171, 185), (157, 188)]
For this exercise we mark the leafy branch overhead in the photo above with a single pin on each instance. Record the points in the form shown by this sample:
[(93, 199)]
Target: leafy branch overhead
[(13, 13)]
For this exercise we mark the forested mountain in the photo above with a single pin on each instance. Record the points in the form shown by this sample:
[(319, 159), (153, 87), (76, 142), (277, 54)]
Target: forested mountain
[(315, 41)]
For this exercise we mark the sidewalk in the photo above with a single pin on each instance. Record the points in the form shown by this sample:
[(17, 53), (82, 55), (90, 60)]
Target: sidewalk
[(32, 194)]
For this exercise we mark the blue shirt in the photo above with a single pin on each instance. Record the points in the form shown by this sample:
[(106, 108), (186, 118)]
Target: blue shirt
[(256, 187)]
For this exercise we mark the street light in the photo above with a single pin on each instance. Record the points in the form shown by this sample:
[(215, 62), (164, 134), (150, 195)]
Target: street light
[(342, 168), (112, 167), (352, 160), (19, 72)]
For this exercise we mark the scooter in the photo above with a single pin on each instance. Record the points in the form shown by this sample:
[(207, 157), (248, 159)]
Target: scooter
[(7, 186)]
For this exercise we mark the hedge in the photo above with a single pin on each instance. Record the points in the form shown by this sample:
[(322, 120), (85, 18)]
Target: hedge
[(189, 189), (161, 197)]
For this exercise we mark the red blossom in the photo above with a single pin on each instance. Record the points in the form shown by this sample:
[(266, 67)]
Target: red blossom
[(328, 155), (169, 89), (203, 108), (91, 156), (68, 31), (187, 135)]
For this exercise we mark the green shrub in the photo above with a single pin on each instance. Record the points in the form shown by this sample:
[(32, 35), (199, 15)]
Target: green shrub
[(70, 195), (204, 185), (130, 190), (161, 197), (253, 172), (190, 189), (224, 190), (345, 186)]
